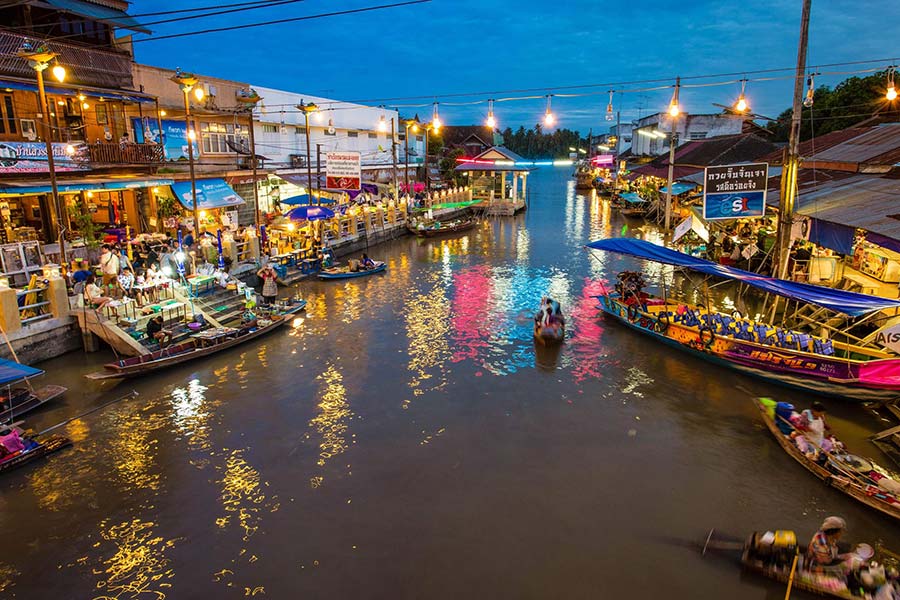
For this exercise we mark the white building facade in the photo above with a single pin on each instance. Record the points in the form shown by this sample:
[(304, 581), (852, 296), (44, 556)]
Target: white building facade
[(651, 134)]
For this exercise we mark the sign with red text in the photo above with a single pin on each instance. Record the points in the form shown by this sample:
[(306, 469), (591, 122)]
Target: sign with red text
[(342, 171)]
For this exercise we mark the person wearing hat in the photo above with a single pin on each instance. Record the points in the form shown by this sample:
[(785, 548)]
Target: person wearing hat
[(823, 548)]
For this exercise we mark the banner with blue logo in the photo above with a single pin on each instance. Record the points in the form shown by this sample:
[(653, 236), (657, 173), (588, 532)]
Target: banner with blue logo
[(735, 191), (173, 137)]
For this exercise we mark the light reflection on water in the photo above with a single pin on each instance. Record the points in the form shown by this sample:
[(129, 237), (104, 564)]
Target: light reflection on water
[(138, 566), (427, 329), (332, 420)]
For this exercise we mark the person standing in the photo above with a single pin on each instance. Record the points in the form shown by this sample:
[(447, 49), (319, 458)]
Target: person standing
[(270, 286), (109, 266)]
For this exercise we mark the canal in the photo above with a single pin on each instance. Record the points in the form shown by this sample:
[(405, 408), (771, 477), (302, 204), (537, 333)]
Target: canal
[(403, 439)]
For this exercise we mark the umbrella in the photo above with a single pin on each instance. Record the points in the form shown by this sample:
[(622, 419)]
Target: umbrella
[(309, 213), (305, 199), (221, 255)]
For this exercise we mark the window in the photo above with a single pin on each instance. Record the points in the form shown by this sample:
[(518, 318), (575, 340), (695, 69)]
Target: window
[(270, 128), (7, 115), (215, 137), (697, 135), (352, 134), (300, 130), (420, 138), (373, 136)]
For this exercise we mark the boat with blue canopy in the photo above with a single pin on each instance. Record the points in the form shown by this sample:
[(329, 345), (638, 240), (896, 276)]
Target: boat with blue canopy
[(634, 206), (791, 353), (17, 395)]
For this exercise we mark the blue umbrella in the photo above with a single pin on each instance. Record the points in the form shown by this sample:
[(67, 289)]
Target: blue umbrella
[(221, 255), (309, 213), (305, 199)]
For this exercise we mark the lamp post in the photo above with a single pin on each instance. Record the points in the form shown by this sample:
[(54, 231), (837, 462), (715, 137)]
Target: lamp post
[(308, 109), (39, 59), (187, 81), (414, 125), (674, 111)]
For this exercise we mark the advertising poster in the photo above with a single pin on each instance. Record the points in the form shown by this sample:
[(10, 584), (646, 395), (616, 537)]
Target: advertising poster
[(342, 171), (735, 191), (31, 157), (173, 137)]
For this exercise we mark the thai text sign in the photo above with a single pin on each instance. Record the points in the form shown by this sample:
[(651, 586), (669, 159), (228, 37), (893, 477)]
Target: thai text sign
[(735, 191), (342, 170), (604, 160), (31, 157)]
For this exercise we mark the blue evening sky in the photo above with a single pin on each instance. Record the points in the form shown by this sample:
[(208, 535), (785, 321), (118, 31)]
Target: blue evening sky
[(465, 46)]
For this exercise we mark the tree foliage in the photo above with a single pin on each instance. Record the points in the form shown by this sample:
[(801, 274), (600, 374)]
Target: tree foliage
[(853, 100), (534, 143)]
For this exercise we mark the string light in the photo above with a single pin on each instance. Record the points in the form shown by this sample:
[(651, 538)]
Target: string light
[(891, 93), (741, 104), (549, 118), (674, 108), (435, 119), (491, 121), (810, 91), (609, 108)]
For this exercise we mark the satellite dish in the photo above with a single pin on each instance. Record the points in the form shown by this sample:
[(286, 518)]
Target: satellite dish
[(331, 130)]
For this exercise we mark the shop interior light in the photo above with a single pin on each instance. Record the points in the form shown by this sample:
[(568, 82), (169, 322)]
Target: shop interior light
[(549, 118), (609, 107), (491, 121), (61, 102)]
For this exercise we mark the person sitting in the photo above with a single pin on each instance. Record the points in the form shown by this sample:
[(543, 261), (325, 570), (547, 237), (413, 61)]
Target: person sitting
[(823, 548), (327, 258), (811, 428), (81, 272), (10, 440), (93, 295), (156, 332), (366, 262), (126, 283)]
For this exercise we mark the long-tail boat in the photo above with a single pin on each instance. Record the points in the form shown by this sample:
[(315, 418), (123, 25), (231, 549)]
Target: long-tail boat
[(17, 395), (795, 356)]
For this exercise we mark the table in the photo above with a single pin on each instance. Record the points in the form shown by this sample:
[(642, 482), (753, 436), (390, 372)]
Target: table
[(286, 259), (208, 336), (309, 265), (201, 284)]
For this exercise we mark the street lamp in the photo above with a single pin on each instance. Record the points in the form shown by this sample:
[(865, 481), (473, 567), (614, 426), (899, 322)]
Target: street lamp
[(414, 125), (674, 111), (187, 81), (39, 58), (307, 110)]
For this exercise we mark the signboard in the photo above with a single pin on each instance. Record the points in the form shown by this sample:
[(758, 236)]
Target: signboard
[(735, 191), (173, 137), (342, 170), (889, 338), (31, 157), (604, 160), (691, 224)]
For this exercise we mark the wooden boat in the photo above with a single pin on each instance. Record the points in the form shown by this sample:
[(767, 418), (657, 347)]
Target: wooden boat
[(444, 229), (49, 445), (346, 273), (772, 554), (553, 333), (290, 307), (18, 400), (793, 358), (199, 345), (858, 486)]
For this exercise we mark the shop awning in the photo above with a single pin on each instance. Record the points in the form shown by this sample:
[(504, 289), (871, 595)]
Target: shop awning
[(848, 303), (80, 185), (60, 90), (12, 371), (211, 193), (98, 12), (631, 197), (678, 188)]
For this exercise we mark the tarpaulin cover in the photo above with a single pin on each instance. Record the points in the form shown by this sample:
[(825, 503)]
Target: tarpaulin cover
[(832, 235), (632, 197), (12, 371), (848, 303), (678, 188), (883, 241), (309, 213), (304, 199)]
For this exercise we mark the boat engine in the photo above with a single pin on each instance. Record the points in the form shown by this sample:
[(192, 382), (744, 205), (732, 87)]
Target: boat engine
[(775, 548)]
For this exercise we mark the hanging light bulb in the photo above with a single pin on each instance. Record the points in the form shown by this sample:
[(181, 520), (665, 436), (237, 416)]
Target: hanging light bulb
[(674, 108), (491, 121), (810, 91), (318, 116), (609, 108), (382, 122), (891, 93), (59, 72), (436, 119), (549, 118), (741, 104)]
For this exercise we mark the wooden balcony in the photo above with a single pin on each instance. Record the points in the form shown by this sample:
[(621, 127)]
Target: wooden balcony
[(122, 154), (106, 68)]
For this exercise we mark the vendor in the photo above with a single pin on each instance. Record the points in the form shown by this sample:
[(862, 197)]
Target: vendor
[(823, 548)]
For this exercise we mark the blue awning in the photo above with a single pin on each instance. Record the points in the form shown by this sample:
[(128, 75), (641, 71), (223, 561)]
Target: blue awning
[(73, 92), (12, 371), (631, 197), (848, 303), (211, 193), (678, 188), (98, 12), (81, 185)]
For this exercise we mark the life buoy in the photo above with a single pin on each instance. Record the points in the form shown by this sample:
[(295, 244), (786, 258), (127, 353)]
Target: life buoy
[(632, 312), (661, 326), (707, 341), (804, 227)]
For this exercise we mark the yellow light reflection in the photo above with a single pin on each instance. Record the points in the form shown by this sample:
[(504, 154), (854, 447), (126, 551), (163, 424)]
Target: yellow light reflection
[(191, 416), (428, 329), (331, 421), (139, 566), (242, 496)]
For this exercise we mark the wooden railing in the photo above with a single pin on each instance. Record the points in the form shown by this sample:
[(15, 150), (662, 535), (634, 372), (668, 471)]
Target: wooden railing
[(126, 153)]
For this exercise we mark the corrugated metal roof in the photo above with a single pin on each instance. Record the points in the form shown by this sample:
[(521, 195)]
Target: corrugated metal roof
[(863, 201), (864, 147)]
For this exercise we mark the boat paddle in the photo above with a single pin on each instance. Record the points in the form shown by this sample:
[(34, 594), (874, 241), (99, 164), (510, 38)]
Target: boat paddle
[(790, 583), (133, 394)]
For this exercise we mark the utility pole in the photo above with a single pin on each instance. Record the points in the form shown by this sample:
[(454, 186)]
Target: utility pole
[(673, 140), (254, 166), (394, 157), (791, 166), (319, 169)]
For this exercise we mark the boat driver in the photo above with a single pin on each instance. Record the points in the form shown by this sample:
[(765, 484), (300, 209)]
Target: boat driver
[(10, 440), (823, 548)]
